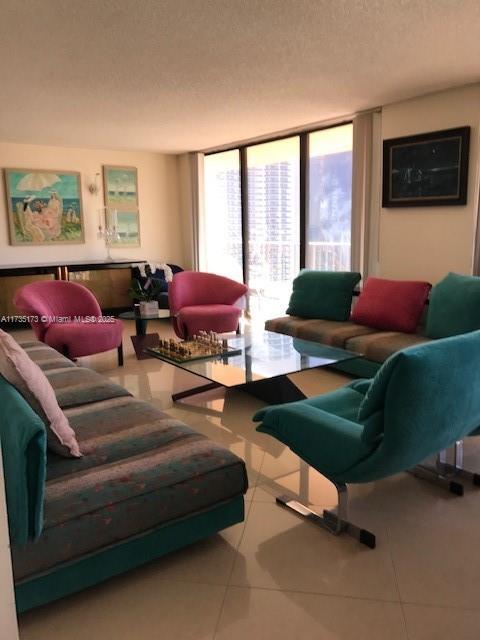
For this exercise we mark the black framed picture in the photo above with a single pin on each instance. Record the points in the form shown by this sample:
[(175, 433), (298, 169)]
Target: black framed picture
[(426, 170)]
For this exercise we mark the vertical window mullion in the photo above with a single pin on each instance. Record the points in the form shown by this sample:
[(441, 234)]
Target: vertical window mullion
[(244, 207), (304, 170)]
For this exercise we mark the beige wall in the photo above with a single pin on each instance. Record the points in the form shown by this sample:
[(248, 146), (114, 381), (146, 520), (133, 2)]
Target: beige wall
[(426, 243), (160, 224)]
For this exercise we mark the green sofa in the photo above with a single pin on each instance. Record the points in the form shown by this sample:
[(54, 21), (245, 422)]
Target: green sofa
[(147, 484), (422, 400), (453, 309)]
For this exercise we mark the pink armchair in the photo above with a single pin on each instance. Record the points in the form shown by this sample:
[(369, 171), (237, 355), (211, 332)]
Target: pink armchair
[(204, 302), (68, 318)]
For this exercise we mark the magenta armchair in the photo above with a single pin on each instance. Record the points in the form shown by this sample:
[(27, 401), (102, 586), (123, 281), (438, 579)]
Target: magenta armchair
[(67, 317), (204, 302)]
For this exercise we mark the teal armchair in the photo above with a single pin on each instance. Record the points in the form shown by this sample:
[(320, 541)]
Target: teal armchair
[(423, 400)]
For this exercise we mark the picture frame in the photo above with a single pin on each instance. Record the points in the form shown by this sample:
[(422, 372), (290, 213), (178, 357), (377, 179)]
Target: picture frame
[(120, 187), (426, 170), (128, 228), (44, 207)]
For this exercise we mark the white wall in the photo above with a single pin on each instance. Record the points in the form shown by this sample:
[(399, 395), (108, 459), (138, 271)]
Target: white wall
[(427, 242), (158, 190)]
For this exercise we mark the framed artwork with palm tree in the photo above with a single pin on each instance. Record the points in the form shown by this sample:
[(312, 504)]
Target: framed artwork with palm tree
[(44, 207)]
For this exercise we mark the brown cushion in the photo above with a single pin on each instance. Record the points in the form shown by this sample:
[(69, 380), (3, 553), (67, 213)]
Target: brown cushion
[(330, 332), (381, 345)]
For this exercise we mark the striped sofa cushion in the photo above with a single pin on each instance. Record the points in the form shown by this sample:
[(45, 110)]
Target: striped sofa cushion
[(45, 356), (381, 345), (328, 332)]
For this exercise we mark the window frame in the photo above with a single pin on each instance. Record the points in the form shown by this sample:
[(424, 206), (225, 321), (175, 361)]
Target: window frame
[(304, 159)]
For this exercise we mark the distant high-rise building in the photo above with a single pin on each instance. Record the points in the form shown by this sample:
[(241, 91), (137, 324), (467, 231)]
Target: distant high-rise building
[(273, 221)]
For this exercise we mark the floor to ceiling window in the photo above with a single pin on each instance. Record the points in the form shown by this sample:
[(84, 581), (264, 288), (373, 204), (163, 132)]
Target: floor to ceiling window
[(329, 211), (273, 172), (221, 235), (275, 207)]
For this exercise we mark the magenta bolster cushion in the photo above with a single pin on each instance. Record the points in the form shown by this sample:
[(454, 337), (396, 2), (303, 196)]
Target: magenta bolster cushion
[(391, 305), (27, 377)]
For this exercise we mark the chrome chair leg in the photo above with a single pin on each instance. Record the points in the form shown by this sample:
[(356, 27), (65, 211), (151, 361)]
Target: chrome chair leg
[(456, 469), (444, 471), (335, 523)]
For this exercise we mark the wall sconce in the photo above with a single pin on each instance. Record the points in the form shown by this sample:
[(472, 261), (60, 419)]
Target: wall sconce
[(93, 186)]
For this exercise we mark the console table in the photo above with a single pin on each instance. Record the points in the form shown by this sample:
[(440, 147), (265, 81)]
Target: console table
[(109, 281)]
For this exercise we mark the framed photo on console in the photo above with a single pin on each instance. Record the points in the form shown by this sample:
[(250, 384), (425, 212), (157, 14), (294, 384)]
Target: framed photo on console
[(426, 170)]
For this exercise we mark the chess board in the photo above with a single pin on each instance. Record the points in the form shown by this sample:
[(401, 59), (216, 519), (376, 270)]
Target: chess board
[(193, 350)]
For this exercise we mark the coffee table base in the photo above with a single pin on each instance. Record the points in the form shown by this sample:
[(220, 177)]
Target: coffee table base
[(278, 390), (195, 391), (142, 342)]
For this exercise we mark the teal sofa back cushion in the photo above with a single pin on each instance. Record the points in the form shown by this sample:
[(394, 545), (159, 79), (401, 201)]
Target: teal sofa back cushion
[(323, 294), (23, 440), (428, 397), (454, 306)]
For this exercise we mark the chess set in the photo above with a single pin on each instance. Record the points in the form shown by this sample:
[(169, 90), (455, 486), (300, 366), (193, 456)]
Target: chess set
[(199, 347)]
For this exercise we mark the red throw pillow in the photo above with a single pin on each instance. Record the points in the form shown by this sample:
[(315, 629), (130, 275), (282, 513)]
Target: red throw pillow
[(393, 305)]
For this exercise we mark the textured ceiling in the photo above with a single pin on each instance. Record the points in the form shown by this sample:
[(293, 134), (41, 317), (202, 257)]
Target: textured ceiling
[(177, 75)]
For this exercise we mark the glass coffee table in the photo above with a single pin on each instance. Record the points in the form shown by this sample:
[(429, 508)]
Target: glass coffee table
[(266, 359)]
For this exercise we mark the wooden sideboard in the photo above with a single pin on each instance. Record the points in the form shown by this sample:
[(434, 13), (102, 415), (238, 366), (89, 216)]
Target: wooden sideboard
[(108, 280)]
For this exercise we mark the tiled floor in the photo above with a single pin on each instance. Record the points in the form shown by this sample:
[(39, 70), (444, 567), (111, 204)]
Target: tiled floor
[(274, 576)]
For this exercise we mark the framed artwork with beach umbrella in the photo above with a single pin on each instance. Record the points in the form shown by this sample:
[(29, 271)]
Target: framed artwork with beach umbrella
[(44, 207)]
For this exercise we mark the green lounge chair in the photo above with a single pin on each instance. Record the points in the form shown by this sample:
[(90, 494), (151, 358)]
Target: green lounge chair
[(422, 401)]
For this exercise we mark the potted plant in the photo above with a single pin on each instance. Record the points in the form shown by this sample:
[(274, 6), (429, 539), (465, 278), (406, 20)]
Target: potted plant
[(146, 295)]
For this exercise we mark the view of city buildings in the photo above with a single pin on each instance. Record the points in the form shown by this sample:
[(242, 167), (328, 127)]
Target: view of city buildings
[(273, 226)]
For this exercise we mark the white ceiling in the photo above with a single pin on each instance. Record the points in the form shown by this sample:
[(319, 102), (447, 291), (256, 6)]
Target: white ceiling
[(177, 75)]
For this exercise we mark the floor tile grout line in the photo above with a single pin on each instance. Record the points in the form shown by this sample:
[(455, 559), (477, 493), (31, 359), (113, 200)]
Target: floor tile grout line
[(232, 568), (449, 607), (324, 594), (395, 575), (315, 593)]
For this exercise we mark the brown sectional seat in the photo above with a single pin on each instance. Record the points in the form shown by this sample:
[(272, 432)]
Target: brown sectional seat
[(381, 345), (374, 345), (330, 332)]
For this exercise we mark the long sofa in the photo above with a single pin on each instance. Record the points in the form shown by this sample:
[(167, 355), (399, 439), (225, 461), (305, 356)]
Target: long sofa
[(147, 484), (374, 345), (452, 308)]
